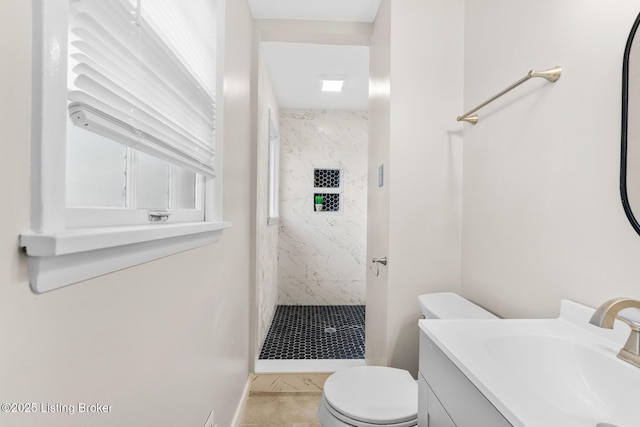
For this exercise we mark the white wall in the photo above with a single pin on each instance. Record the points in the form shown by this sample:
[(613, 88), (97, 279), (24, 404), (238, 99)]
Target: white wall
[(541, 212), (542, 215), (376, 349), (322, 254), (267, 240), (417, 54), (164, 342)]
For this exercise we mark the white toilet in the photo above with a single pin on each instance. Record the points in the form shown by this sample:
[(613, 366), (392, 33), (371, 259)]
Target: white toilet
[(379, 396)]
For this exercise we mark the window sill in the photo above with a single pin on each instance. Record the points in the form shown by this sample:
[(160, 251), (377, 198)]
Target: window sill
[(60, 259)]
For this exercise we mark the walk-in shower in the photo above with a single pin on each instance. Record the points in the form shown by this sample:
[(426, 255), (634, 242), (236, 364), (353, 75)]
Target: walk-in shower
[(321, 250)]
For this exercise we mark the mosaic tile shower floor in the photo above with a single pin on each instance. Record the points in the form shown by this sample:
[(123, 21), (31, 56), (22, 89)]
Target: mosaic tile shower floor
[(315, 332)]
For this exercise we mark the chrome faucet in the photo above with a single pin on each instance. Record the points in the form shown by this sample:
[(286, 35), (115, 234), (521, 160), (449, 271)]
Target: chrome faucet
[(604, 318)]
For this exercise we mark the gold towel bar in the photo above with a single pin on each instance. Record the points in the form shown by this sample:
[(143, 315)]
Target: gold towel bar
[(551, 75)]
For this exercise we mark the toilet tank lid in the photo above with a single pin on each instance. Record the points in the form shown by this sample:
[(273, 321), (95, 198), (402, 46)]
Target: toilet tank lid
[(449, 305)]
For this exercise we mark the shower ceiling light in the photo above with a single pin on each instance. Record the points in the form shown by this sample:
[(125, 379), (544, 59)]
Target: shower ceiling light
[(332, 85)]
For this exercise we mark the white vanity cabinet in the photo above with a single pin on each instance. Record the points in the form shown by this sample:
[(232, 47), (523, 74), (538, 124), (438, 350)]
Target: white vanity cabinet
[(446, 396)]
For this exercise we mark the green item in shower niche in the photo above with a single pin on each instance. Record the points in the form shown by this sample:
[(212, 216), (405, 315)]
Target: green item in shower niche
[(319, 199)]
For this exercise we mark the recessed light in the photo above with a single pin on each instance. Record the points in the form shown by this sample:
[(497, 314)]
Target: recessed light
[(332, 85)]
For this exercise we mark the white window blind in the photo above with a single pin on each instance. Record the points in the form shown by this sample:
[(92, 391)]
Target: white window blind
[(143, 74)]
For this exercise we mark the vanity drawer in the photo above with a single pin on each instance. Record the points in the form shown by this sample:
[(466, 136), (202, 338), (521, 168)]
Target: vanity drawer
[(463, 402)]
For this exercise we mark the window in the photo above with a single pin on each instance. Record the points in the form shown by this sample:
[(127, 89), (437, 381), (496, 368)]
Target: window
[(141, 82), (274, 172), (124, 134)]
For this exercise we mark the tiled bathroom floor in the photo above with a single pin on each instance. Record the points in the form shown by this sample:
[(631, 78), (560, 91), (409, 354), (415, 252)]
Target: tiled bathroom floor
[(282, 410), (316, 332), (284, 400)]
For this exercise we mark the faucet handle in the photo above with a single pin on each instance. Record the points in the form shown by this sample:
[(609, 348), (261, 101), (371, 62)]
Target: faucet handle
[(605, 316), (635, 326), (632, 316)]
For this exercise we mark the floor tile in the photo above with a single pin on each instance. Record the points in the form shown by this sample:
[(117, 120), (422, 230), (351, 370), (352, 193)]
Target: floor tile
[(316, 332), (282, 410)]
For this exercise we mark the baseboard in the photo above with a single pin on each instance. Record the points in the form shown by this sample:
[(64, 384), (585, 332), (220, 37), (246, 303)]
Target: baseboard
[(237, 418)]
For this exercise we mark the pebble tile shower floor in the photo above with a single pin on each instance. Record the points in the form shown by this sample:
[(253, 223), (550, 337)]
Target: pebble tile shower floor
[(316, 332)]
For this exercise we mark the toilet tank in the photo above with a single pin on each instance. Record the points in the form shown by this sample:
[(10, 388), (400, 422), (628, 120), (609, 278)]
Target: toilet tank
[(449, 305)]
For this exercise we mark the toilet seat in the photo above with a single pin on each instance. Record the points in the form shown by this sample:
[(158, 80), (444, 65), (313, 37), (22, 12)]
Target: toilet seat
[(368, 396), (332, 418)]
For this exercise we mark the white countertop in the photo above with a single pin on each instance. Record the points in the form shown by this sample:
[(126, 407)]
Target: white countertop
[(545, 372)]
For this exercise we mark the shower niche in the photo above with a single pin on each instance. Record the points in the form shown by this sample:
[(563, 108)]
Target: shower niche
[(327, 189)]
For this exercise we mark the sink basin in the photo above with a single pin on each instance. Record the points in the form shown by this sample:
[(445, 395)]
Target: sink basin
[(579, 380), (545, 372)]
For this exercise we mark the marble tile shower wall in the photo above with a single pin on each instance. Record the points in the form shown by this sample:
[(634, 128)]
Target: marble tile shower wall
[(267, 244), (321, 255)]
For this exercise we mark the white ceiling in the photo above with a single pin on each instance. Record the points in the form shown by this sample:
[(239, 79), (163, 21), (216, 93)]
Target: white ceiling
[(316, 10), (296, 68)]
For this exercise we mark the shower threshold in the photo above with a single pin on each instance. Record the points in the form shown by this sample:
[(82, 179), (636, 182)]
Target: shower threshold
[(265, 366)]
